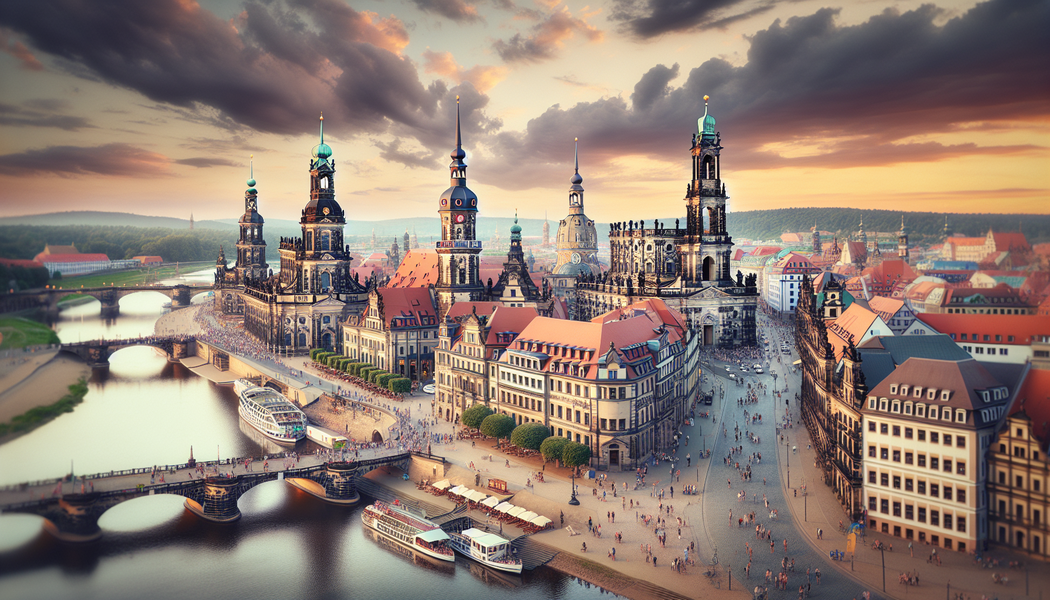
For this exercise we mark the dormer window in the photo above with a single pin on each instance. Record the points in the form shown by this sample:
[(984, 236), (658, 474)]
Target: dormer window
[(945, 394), (908, 408), (986, 396), (893, 388), (882, 404), (960, 415), (946, 414), (872, 402), (904, 390), (918, 391), (920, 410), (896, 406), (931, 394)]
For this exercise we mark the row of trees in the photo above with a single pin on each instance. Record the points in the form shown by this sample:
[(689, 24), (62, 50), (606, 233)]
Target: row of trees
[(362, 370), (532, 436), (175, 245), (22, 278)]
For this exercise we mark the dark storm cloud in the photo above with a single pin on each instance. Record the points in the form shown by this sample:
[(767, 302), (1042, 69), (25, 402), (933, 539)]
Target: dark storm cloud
[(846, 96), (43, 112), (455, 10), (120, 160), (652, 18), (202, 162), (272, 68), (546, 39)]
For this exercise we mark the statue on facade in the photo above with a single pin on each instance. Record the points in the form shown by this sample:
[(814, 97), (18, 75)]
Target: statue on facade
[(739, 279)]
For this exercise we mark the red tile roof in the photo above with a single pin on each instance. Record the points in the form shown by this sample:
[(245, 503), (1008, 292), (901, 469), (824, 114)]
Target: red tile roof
[(1033, 397), (413, 305), (1021, 327), (966, 241), (418, 269), (509, 319), (460, 309), (71, 258), (1010, 240), (885, 307), (852, 325), (20, 262)]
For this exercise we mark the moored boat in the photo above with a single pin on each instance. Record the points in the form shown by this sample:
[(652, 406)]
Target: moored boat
[(408, 529), (269, 412), (487, 548)]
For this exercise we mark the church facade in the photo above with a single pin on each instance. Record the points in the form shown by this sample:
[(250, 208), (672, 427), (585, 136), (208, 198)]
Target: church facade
[(686, 267)]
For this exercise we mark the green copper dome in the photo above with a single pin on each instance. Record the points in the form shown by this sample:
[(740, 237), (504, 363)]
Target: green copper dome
[(706, 124), (515, 229), (322, 150), (250, 183)]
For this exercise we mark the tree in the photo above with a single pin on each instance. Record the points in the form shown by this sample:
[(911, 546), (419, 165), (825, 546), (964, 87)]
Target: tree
[(529, 435), (553, 448), (473, 416), (497, 426), (576, 454)]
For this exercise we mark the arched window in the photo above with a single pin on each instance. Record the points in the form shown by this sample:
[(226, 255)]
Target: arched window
[(326, 281), (324, 183), (326, 241)]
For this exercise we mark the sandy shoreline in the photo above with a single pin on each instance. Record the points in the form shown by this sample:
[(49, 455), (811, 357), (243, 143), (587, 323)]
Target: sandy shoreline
[(37, 379)]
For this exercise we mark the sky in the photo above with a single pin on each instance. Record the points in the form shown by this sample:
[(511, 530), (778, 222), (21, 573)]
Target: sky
[(156, 107)]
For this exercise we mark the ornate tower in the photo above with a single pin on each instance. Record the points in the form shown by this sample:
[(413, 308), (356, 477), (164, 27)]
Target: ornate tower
[(251, 248), (577, 237), (902, 242), (546, 232), (947, 230), (407, 241), (861, 236), (707, 245), (817, 247), (458, 248)]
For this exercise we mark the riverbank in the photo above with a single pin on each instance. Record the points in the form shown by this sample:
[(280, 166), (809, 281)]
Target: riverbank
[(35, 380)]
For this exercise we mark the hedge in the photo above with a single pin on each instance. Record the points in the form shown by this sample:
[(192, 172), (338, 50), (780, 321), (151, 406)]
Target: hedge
[(400, 385), (384, 379), (356, 368)]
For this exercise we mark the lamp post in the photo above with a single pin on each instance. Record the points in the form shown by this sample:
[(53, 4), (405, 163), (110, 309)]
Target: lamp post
[(883, 569), (573, 501)]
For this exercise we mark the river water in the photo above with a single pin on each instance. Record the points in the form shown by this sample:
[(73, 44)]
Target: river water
[(287, 544)]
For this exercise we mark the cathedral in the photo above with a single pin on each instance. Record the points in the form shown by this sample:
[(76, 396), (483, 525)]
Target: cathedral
[(577, 242), (302, 305), (688, 268)]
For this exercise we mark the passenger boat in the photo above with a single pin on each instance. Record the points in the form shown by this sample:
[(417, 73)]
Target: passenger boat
[(268, 411), (408, 529), (487, 548)]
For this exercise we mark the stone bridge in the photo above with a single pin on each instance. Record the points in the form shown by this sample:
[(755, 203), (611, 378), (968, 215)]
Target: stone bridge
[(180, 295), (96, 353), (74, 517)]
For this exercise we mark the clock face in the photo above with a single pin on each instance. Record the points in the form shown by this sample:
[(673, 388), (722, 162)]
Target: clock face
[(325, 210), (576, 258), (459, 218)]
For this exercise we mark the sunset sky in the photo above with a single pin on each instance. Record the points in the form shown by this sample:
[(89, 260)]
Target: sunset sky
[(153, 107)]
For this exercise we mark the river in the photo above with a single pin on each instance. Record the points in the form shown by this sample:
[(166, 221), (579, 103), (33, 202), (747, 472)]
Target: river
[(287, 544)]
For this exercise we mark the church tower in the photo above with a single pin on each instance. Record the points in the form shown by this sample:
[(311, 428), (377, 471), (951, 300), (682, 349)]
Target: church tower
[(707, 246), (817, 246), (458, 249), (546, 232), (251, 248), (577, 236), (902, 242)]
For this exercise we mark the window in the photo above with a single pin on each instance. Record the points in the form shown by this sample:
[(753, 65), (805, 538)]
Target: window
[(896, 509), (909, 458), (934, 437), (908, 432), (922, 487), (884, 428), (871, 424), (922, 515), (897, 430), (896, 456), (871, 451), (896, 483), (922, 460), (1020, 481), (947, 465), (947, 439), (935, 518), (960, 441), (935, 463), (871, 477), (884, 507), (945, 394), (960, 495), (960, 525), (948, 493), (884, 453), (909, 512), (960, 468), (947, 521), (909, 484), (873, 503), (884, 479), (922, 432), (935, 490)]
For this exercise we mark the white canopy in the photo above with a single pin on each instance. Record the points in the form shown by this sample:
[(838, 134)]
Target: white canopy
[(443, 484), (541, 520), (504, 506), (490, 502), (433, 535), (517, 510), (527, 516), (475, 495), (459, 490)]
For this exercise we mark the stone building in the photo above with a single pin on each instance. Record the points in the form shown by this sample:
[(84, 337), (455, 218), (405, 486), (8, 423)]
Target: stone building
[(397, 331), (301, 307), (687, 268)]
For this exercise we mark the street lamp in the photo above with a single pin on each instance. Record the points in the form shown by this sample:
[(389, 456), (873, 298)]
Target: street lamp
[(573, 501)]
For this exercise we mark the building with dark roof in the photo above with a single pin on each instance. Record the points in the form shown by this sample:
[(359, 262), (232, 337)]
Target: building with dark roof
[(397, 332)]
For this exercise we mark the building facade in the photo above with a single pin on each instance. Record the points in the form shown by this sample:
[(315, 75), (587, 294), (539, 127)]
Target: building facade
[(688, 268), (397, 332), (577, 243), (784, 281)]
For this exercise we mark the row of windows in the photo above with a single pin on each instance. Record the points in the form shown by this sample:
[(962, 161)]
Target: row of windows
[(991, 351), (935, 436), (920, 487), (925, 411), (912, 514), (986, 337), (1019, 482), (909, 458)]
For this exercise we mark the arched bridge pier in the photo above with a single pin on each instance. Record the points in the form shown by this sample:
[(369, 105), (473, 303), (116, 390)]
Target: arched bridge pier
[(74, 517), (96, 353)]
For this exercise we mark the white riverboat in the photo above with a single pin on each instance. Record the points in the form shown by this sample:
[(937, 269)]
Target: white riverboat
[(408, 529), (487, 548), (268, 411)]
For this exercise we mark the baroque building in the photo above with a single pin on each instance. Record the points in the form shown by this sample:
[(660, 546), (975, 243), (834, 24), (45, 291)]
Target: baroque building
[(577, 242), (251, 253), (688, 268), (302, 306)]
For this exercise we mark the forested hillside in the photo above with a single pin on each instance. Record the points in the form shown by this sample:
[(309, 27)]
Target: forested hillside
[(26, 241)]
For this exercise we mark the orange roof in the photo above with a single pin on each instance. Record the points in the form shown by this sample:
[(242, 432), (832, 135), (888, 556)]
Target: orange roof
[(460, 309), (20, 262), (1021, 327), (790, 238), (885, 307), (71, 258), (506, 319), (890, 271), (1012, 240), (412, 305), (765, 250), (966, 241), (852, 325), (70, 249), (418, 269), (1032, 398)]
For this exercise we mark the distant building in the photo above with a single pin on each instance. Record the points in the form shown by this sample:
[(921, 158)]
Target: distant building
[(577, 243), (149, 260), (991, 338), (784, 281), (69, 261)]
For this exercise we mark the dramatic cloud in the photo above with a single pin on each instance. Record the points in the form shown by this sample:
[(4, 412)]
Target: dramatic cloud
[(818, 94), (267, 69), (18, 50), (455, 10), (548, 36), (652, 18), (44, 112), (202, 162), (119, 160), (484, 78)]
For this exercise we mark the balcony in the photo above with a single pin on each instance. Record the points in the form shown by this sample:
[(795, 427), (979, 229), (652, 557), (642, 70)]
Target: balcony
[(458, 245)]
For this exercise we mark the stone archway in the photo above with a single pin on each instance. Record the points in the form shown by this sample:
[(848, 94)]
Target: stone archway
[(377, 437)]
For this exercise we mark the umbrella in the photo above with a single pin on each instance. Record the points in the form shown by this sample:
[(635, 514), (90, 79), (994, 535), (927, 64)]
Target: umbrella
[(541, 521), (475, 496), (459, 490), (442, 485), (490, 502), (517, 510), (527, 516), (504, 507)]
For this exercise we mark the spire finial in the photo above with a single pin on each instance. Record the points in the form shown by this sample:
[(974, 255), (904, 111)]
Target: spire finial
[(251, 171), (459, 137), (576, 155), (322, 127)]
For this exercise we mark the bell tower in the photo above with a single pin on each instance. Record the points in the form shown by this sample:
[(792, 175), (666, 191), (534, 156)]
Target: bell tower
[(902, 242), (251, 248), (707, 245), (458, 249)]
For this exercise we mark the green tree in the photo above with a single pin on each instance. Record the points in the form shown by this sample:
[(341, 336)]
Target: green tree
[(553, 448), (576, 454), (400, 385), (529, 435), (473, 416), (497, 426)]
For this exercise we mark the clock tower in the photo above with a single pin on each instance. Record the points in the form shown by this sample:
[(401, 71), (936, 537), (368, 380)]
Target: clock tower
[(577, 240), (458, 249)]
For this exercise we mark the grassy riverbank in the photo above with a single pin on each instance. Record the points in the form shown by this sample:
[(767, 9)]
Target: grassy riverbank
[(132, 277), (19, 332), (36, 417)]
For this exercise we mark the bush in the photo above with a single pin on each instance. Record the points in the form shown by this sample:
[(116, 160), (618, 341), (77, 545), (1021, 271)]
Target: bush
[(322, 357), (333, 360), (355, 368), (400, 385), (529, 435), (576, 454), (314, 352), (473, 416), (553, 448), (384, 379), (375, 375), (365, 370), (497, 426)]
